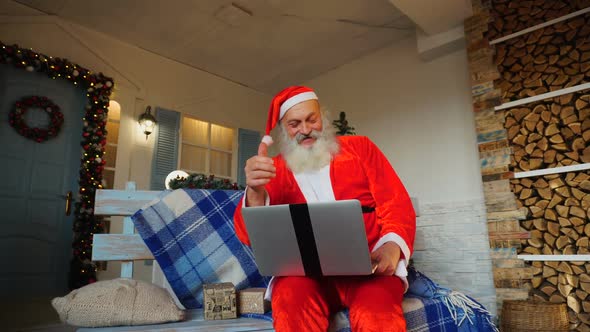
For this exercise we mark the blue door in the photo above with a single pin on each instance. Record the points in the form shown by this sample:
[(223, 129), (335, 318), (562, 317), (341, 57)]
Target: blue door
[(35, 233)]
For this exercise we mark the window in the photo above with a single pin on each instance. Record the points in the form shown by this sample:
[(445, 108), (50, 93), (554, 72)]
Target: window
[(208, 148), (113, 122), (108, 174)]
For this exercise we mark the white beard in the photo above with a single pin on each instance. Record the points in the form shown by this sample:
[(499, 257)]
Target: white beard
[(312, 158)]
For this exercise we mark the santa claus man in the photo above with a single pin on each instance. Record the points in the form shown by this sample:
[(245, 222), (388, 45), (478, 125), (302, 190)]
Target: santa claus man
[(314, 165)]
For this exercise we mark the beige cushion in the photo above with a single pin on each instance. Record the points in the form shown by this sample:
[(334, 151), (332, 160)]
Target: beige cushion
[(117, 302)]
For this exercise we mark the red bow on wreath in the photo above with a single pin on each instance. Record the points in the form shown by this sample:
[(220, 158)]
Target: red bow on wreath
[(39, 135)]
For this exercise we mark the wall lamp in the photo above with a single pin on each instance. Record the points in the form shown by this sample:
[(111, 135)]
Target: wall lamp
[(147, 122)]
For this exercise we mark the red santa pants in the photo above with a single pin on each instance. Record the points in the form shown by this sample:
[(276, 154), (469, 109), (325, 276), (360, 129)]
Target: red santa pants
[(306, 304)]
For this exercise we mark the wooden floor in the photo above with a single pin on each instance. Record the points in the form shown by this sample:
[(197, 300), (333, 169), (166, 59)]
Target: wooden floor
[(57, 327), (27, 314), (37, 315), (195, 322)]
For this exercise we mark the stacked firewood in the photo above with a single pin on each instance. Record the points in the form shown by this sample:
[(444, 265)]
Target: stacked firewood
[(550, 133), (511, 16), (547, 59), (558, 208), (542, 214)]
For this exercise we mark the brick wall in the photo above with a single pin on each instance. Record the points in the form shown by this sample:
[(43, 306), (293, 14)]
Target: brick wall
[(452, 249)]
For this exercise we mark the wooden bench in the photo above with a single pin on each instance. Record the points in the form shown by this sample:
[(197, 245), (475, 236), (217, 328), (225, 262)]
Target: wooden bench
[(129, 247)]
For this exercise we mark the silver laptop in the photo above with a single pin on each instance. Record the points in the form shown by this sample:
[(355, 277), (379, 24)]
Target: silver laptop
[(314, 239)]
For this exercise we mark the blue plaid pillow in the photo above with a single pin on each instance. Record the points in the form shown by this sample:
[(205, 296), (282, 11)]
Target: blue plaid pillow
[(192, 237)]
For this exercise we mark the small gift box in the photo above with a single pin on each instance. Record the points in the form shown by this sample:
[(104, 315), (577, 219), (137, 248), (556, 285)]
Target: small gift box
[(219, 301), (251, 301)]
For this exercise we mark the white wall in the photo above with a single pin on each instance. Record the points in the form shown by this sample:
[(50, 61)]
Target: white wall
[(419, 113), (141, 79)]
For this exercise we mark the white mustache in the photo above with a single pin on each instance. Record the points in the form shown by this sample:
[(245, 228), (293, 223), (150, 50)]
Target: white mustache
[(314, 134)]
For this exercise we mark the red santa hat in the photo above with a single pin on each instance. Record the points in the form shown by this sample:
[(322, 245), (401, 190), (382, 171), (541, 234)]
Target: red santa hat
[(281, 103)]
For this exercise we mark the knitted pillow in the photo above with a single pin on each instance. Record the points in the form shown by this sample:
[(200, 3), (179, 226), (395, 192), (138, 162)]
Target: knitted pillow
[(117, 302)]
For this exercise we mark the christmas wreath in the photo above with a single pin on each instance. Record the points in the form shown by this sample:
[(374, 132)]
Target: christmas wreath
[(17, 118)]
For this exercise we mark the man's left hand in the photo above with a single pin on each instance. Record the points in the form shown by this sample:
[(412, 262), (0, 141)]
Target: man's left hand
[(386, 258)]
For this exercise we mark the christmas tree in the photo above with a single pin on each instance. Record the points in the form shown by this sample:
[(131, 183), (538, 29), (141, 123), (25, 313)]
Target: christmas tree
[(342, 126)]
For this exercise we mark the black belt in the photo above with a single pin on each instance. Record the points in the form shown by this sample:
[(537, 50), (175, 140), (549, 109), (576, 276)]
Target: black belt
[(367, 209)]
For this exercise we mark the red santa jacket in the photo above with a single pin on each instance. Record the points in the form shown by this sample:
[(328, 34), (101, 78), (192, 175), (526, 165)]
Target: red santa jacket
[(359, 171)]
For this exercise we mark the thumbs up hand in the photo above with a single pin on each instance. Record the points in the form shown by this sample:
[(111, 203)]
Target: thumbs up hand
[(263, 149), (259, 171)]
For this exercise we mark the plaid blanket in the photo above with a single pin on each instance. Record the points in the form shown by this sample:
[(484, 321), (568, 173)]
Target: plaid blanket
[(192, 237)]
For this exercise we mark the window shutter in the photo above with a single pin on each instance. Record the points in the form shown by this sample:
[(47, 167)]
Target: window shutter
[(248, 142), (166, 148)]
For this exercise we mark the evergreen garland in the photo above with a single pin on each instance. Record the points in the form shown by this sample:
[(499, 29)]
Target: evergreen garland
[(202, 181)]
